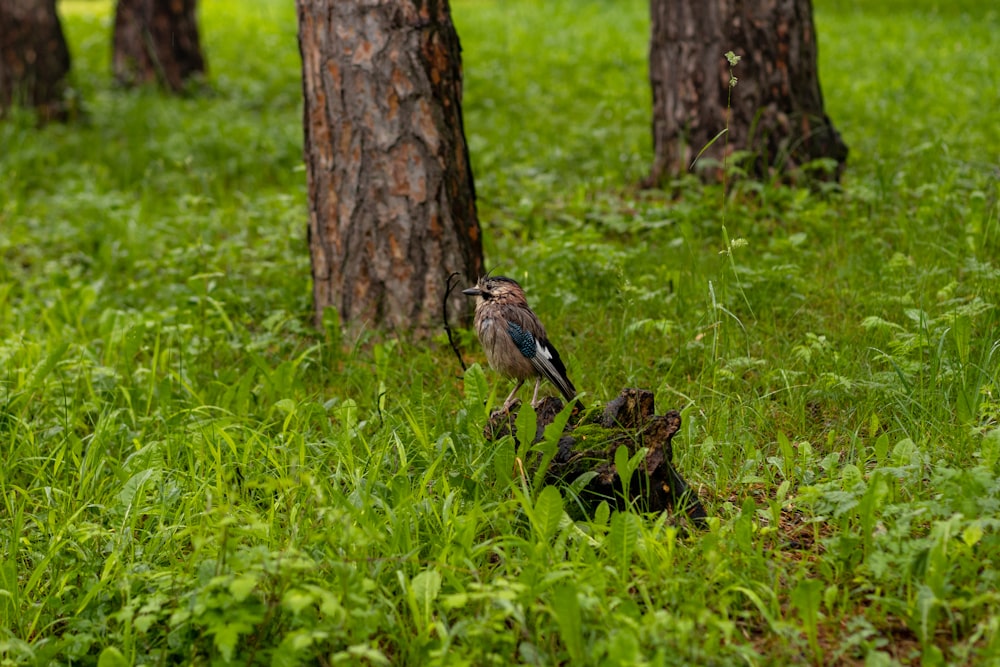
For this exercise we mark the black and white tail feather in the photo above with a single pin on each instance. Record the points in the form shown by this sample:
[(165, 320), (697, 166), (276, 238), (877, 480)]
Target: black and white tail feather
[(544, 357)]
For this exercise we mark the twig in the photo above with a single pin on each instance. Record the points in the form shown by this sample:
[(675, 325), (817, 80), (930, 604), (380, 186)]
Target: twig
[(444, 311)]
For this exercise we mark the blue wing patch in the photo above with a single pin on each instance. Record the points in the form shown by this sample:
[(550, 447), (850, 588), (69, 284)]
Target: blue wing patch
[(524, 340)]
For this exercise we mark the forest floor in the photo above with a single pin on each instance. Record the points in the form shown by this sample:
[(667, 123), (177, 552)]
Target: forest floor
[(189, 472)]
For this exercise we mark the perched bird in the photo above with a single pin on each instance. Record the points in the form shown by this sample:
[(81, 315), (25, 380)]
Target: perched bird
[(514, 338)]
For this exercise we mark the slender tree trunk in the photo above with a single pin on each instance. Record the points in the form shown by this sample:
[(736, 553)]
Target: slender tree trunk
[(392, 209), (156, 40), (34, 58), (776, 107)]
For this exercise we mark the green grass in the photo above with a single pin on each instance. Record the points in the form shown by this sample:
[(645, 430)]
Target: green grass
[(190, 473)]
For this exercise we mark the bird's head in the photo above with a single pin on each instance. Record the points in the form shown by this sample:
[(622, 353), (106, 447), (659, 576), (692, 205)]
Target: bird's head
[(498, 289)]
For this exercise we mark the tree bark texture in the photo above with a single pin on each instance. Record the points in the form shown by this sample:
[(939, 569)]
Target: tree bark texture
[(777, 110), (589, 448), (34, 58), (392, 209), (157, 41)]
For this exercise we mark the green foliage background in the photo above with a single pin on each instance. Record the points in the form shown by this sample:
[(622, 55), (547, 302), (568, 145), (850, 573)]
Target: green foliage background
[(191, 473)]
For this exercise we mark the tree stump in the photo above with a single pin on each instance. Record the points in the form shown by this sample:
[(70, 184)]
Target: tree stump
[(590, 446)]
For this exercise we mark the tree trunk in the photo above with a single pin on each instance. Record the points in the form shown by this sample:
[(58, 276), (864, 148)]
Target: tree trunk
[(392, 210), (156, 40), (590, 449), (34, 58), (776, 108)]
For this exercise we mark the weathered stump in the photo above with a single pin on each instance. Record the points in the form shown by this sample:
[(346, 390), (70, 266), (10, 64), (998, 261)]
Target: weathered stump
[(590, 445)]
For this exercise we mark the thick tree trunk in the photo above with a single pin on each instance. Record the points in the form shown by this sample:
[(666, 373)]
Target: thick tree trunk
[(776, 107), (34, 58), (157, 40), (654, 486), (392, 210)]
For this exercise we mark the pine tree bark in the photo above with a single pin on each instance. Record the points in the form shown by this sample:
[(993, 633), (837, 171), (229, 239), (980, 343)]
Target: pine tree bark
[(392, 210), (777, 112), (156, 41), (34, 58)]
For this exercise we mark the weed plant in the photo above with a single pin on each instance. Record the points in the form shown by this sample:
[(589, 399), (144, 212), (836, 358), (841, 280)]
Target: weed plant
[(192, 474)]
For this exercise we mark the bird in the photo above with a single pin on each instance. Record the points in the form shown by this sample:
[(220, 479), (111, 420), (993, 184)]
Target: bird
[(514, 339)]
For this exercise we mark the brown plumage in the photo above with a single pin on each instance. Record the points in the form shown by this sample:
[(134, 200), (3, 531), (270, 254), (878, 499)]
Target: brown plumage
[(514, 339)]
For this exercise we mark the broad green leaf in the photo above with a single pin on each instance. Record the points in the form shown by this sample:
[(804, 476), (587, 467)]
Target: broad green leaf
[(358, 654), (227, 636), (549, 445), (329, 603), (112, 657), (582, 480), (623, 537), (455, 600), (566, 608), (144, 622), (290, 651), (927, 605), (806, 597), (503, 461), (881, 449), (787, 455), (990, 448), (961, 331), (967, 403), (743, 527), (548, 513), (424, 588), (637, 458), (621, 463), (602, 513), (128, 492), (526, 424), (347, 413), (879, 659), (477, 392), (972, 534), (43, 369), (554, 431), (241, 401), (131, 341), (851, 476), (242, 586), (830, 595), (904, 451), (384, 353), (869, 505)]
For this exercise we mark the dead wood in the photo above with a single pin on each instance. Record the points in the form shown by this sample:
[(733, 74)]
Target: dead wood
[(589, 446)]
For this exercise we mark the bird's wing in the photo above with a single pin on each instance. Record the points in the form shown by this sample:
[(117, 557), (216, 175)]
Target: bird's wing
[(543, 356)]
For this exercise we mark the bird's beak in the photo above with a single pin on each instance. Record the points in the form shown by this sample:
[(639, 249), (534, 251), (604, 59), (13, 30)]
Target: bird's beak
[(472, 291)]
